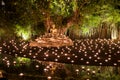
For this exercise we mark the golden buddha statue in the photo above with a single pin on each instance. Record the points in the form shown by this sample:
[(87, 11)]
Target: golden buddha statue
[(53, 30)]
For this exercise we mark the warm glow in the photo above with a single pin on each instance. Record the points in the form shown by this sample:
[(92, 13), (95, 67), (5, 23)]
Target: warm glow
[(24, 32), (52, 39)]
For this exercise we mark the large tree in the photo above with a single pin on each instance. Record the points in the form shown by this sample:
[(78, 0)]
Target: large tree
[(41, 14)]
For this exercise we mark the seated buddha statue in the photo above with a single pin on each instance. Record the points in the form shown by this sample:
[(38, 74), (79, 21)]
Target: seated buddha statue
[(53, 30)]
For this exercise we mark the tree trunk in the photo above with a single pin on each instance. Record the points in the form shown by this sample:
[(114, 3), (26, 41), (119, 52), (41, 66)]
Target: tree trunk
[(72, 20)]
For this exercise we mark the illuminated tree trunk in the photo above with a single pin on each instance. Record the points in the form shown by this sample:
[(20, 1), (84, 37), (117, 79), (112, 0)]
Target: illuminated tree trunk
[(48, 22), (103, 31), (114, 32), (118, 32)]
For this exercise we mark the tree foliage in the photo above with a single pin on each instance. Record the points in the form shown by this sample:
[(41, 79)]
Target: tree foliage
[(82, 13)]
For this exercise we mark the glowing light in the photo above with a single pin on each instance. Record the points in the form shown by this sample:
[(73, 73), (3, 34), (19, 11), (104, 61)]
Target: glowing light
[(65, 54), (14, 62), (68, 58), (34, 56), (88, 69), (72, 61), (100, 63), (37, 66), (3, 3), (44, 58), (93, 72), (87, 62), (90, 57), (21, 74), (45, 69), (56, 59), (77, 70), (8, 64), (115, 64), (81, 59), (24, 32), (46, 55), (109, 58), (49, 77), (83, 67), (76, 56), (95, 60), (58, 56), (106, 60)]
